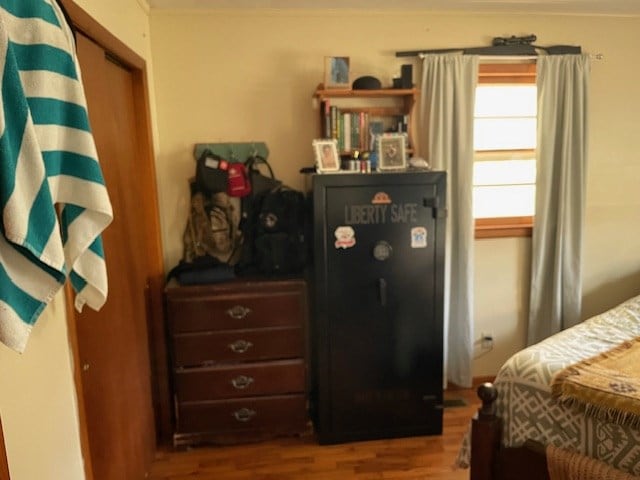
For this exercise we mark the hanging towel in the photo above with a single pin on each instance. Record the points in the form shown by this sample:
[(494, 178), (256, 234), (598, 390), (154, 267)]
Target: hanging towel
[(52, 194)]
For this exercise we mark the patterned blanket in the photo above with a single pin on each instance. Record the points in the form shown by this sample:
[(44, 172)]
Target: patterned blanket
[(529, 412), (606, 386)]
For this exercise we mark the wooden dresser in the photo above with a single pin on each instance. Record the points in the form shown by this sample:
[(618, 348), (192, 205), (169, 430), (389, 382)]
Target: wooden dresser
[(238, 360)]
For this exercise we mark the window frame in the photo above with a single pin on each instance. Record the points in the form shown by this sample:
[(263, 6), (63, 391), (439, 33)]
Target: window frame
[(505, 73)]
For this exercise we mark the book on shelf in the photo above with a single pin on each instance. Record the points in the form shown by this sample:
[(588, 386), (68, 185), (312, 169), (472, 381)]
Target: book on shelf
[(325, 118), (340, 132), (334, 121), (403, 124), (354, 131), (346, 132)]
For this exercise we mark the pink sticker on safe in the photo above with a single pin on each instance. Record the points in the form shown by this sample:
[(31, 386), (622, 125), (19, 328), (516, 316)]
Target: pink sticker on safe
[(345, 237)]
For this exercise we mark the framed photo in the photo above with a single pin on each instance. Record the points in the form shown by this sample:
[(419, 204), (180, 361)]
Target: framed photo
[(392, 151), (336, 72), (326, 151)]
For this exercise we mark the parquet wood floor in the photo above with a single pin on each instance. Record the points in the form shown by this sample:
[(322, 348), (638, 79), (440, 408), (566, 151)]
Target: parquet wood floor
[(415, 458)]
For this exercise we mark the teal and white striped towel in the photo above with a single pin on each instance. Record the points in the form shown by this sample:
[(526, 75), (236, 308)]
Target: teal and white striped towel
[(49, 165)]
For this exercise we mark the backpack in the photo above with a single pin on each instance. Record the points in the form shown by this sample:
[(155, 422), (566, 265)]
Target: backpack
[(211, 172), (275, 227), (261, 175), (211, 229)]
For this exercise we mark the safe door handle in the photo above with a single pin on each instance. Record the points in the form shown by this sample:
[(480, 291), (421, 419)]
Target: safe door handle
[(240, 346), (241, 382), (238, 312), (382, 291)]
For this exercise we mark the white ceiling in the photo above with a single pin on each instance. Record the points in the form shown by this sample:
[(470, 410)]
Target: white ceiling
[(600, 7)]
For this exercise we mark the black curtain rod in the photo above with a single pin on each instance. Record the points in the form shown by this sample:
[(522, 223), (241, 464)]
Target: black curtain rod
[(502, 46), (490, 50), (506, 50)]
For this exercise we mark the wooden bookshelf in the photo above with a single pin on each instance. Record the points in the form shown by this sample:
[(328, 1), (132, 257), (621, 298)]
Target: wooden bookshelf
[(393, 106)]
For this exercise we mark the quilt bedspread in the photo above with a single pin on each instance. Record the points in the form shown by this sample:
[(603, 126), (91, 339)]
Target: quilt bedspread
[(524, 391)]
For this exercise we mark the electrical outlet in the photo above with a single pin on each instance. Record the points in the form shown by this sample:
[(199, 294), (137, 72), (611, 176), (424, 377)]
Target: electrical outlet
[(487, 341)]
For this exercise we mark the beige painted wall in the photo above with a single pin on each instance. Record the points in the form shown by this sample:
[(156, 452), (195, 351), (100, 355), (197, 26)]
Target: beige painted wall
[(128, 20), (244, 76), (38, 402)]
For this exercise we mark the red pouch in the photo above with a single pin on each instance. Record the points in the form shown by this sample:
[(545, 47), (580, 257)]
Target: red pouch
[(238, 184)]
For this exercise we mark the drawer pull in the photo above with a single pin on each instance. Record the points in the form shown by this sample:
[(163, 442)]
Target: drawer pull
[(241, 382), (244, 414), (240, 346), (238, 312)]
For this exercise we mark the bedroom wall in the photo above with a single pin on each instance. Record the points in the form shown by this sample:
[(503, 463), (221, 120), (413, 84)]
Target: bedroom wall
[(243, 76), (38, 402), (128, 20)]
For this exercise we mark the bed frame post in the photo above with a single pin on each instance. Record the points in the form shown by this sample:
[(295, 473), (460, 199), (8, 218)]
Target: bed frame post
[(486, 429)]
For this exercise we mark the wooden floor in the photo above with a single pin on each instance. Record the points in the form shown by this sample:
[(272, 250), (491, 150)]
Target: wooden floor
[(415, 458)]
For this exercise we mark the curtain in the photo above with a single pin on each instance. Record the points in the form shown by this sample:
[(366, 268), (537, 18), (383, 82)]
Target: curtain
[(556, 269), (446, 138)]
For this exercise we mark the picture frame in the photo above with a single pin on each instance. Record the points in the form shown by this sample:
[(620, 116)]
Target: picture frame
[(337, 73), (392, 151), (326, 153)]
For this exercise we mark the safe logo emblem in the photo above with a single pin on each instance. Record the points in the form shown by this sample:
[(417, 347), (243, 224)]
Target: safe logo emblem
[(381, 198), (345, 237)]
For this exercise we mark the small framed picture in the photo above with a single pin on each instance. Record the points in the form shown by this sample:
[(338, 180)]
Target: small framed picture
[(326, 152), (392, 151), (336, 72)]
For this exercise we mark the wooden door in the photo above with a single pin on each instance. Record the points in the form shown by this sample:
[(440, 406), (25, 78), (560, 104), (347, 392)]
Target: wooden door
[(113, 344), (4, 467)]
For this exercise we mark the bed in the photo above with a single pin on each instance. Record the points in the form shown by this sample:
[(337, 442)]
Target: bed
[(513, 432)]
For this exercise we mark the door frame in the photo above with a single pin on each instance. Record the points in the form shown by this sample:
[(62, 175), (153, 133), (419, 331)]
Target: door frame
[(83, 22)]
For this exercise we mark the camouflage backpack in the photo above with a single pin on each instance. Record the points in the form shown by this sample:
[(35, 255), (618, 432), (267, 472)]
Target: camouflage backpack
[(212, 229)]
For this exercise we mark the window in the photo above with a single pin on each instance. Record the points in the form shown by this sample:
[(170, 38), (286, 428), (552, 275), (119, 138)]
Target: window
[(504, 143)]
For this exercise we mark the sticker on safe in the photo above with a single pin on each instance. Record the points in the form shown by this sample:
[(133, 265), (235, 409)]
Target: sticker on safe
[(418, 237), (381, 198), (345, 237)]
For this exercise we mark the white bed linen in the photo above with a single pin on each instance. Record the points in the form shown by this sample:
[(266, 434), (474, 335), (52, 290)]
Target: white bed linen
[(524, 393)]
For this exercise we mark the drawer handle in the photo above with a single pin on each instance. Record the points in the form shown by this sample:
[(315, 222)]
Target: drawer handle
[(238, 312), (244, 414), (241, 382), (240, 346)]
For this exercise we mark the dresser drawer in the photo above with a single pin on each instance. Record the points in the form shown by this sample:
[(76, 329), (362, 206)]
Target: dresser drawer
[(235, 311), (247, 380), (277, 415), (192, 349)]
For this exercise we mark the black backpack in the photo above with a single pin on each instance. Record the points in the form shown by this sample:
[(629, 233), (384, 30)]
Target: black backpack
[(274, 226)]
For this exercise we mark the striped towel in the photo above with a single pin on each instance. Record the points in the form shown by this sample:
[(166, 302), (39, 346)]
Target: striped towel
[(52, 193)]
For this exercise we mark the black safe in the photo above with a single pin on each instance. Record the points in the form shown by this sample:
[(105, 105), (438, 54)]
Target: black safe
[(377, 294)]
